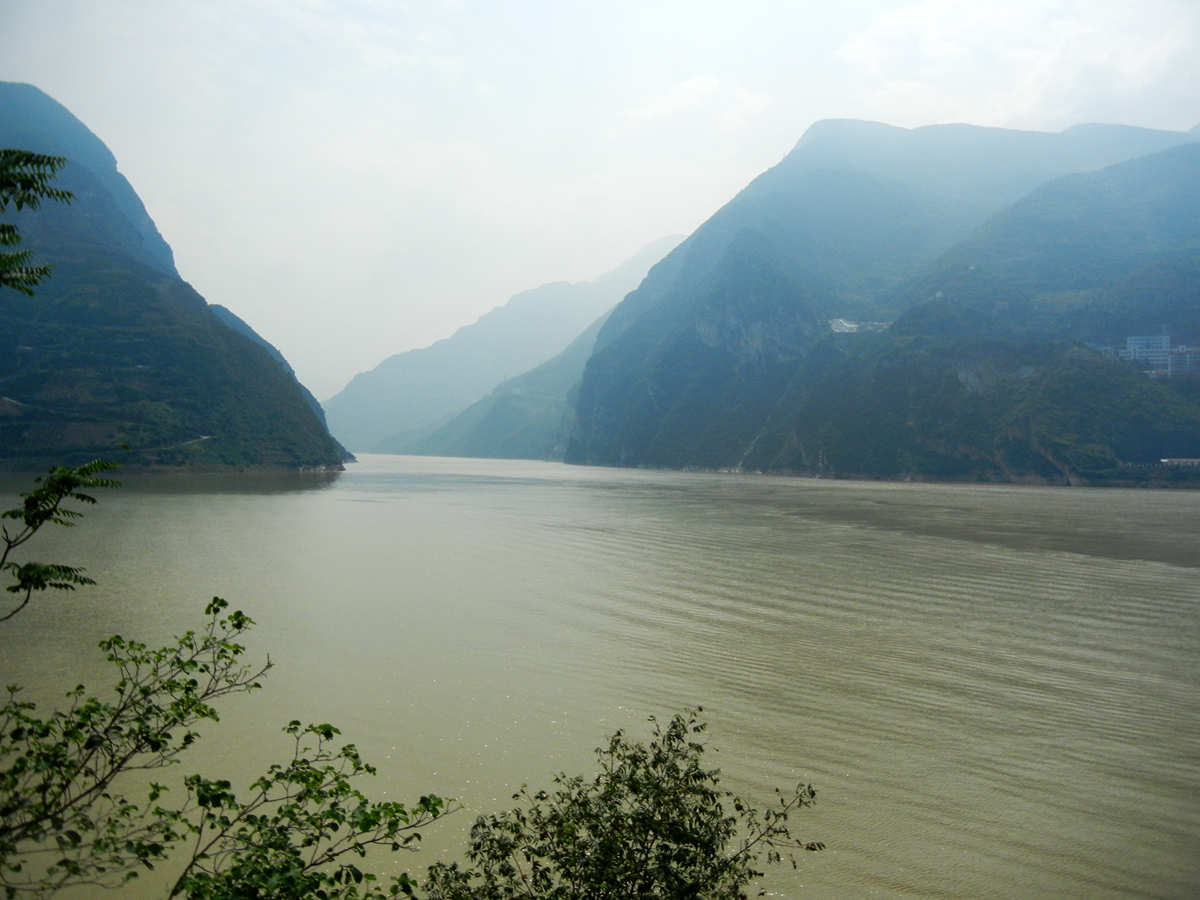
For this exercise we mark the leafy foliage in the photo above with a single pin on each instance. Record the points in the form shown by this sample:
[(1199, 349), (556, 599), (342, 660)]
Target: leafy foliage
[(25, 181), (41, 506), (653, 823), (65, 821), (291, 837)]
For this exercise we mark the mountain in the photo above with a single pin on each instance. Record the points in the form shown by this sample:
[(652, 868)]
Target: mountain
[(989, 375), (230, 320), (115, 355), (411, 393), (985, 409), (714, 361), (30, 120), (1079, 231), (527, 417), (860, 207)]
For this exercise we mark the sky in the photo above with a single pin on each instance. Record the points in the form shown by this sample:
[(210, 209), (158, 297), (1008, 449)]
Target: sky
[(359, 178)]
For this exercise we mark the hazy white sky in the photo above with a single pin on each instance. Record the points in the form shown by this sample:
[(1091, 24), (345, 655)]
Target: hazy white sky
[(359, 178)]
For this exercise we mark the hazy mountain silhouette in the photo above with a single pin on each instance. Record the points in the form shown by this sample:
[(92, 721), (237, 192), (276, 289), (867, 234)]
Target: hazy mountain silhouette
[(527, 417), (710, 361), (31, 120), (416, 391), (859, 207), (987, 377), (116, 356)]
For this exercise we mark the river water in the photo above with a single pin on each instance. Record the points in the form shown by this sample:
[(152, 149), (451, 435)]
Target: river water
[(994, 689)]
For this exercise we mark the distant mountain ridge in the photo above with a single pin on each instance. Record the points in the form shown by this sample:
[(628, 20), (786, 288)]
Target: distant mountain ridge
[(408, 395), (859, 207), (527, 417), (1083, 230), (115, 355), (714, 360), (708, 363), (992, 166)]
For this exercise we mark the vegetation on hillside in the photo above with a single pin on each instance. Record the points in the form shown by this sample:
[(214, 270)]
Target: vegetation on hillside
[(1038, 411), (986, 376), (116, 355)]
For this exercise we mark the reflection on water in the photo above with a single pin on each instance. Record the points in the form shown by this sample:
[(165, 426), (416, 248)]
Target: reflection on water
[(993, 688)]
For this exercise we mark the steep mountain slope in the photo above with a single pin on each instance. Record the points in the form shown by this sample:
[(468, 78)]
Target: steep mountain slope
[(848, 220), (1079, 231), (115, 355), (230, 320), (32, 121), (410, 392), (987, 378), (861, 206), (1160, 298), (527, 417), (708, 386)]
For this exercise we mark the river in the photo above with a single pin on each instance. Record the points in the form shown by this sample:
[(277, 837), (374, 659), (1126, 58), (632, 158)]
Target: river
[(995, 689)]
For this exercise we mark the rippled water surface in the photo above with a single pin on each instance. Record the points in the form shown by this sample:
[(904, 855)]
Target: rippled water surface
[(995, 689)]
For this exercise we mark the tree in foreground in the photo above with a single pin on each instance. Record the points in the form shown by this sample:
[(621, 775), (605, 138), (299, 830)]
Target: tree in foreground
[(42, 506), (653, 823), (298, 832), (25, 181)]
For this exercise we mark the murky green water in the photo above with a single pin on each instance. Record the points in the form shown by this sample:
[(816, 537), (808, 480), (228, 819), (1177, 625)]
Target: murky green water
[(996, 690)]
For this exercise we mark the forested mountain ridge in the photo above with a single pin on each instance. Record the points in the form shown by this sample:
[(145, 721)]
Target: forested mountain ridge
[(115, 355), (983, 378), (1079, 231), (851, 212), (231, 320), (861, 207)]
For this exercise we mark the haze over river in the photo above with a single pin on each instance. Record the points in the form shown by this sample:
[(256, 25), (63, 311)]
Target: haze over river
[(994, 689)]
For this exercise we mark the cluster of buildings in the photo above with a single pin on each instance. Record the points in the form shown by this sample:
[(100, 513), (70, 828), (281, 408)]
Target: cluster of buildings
[(1154, 354)]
